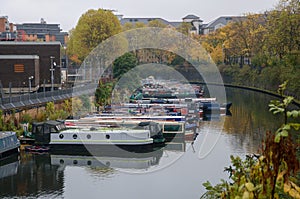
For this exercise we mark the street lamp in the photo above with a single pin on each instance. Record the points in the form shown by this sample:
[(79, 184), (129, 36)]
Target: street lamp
[(52, 69), (29, 81), (66, 56)]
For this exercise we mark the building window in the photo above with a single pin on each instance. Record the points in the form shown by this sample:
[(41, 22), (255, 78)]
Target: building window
[(19, 68)]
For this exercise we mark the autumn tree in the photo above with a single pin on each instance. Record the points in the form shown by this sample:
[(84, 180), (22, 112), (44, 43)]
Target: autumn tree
[(283, 26), (93, 27), (184, 28), (157, 24)]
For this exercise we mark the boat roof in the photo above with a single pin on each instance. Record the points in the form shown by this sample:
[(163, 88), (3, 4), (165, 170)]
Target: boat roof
[(49, 122), (4, 134)]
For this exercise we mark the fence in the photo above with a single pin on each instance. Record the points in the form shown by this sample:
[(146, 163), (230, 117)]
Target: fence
[(38, 99)]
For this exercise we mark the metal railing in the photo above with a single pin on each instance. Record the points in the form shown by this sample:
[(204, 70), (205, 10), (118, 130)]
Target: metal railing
[(41, 98)]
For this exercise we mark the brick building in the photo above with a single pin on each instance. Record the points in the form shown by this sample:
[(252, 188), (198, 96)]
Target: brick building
[(41, 32), (28, 64)]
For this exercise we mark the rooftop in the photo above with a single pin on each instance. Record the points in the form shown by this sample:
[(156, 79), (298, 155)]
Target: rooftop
[(191, 17)]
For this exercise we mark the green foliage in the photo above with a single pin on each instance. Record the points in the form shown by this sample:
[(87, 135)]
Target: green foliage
[(103, 94), (157, 24), (123, 64), (26, 118), (67, 107), (281, 107), (93, 27), (49, 110), (270, 174), (52, 114), (76, 106), (184, 28), (270, 39), (86, 103)]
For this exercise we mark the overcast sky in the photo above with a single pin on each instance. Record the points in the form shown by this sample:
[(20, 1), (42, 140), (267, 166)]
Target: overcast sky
[(67, 12)]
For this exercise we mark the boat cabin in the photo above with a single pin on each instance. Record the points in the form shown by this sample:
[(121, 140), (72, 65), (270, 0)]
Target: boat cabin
[(42, 130)]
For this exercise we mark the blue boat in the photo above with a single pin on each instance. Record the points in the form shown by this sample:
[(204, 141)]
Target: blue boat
[(9, 143)]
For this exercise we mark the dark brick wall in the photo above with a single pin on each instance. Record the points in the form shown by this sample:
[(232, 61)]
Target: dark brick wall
[(19, 80), (44, 51)]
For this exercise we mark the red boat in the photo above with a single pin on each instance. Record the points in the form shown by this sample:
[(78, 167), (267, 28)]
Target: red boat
[(37, 149)]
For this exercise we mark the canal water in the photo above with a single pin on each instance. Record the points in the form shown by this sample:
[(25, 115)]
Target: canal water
[(176, 171)]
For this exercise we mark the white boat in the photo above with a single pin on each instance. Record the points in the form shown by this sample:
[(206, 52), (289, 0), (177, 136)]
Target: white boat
[(140, 117), (101, 136), (55, 133), (9, 143)]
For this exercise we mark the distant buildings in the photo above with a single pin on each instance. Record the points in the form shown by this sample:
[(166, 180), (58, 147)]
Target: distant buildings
[(31, 31), (198, 28), (220, 22), (41, 32), (29, 50)]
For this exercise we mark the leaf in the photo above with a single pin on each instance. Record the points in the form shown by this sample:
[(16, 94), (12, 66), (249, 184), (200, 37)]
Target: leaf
[(284, 133), (246, 195), (286, 127), (295, 187), (288, 100), (294, 193), (295, 114), (279, 110), (250, 187), (277, 138), (207, 185), (287, 187), (296, 126)]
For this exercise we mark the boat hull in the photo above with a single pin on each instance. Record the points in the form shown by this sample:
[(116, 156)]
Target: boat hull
[(9, 144), (106, 137)]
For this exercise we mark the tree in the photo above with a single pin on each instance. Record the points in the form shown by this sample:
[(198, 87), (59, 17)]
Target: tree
[(157, 24), (93, 27), (184, 28), (123, 64), (103, 94), (270, 174), (283, 26), (129, 26)]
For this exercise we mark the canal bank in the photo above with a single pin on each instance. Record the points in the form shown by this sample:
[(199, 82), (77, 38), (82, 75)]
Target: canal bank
[(271, 93), (172, 172)]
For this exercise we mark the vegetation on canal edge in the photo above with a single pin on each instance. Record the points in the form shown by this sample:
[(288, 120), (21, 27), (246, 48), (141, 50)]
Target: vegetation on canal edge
[(71, 107), (272, 173), (260, 51)]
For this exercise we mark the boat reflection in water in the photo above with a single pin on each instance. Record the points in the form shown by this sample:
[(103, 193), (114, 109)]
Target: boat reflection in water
[(9, 166), (115, 158), (44, 174)]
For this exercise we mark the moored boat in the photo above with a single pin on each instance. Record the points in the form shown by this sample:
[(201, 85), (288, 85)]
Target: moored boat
[(55, 134), (9, 143), (37, 149)]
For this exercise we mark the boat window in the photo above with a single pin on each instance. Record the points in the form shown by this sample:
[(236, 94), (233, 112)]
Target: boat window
[(38, 129), (46, 130), (75, 136), (88, 136), (107, 136), (61, 136), (53, 130), (172, 127)]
